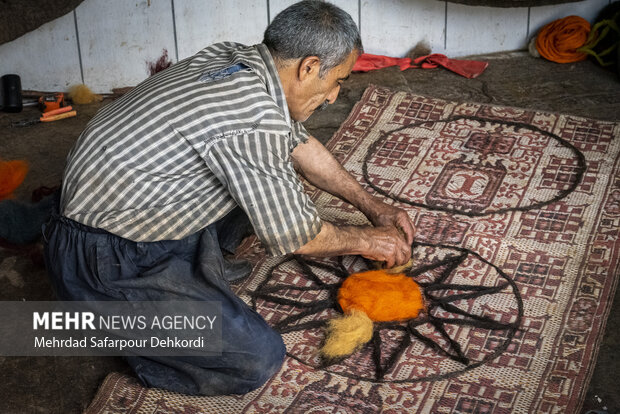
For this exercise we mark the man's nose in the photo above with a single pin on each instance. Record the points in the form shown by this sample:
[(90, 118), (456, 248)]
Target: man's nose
[(333, 95)]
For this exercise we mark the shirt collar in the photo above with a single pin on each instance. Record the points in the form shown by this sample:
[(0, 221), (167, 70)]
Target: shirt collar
[(272, 80)]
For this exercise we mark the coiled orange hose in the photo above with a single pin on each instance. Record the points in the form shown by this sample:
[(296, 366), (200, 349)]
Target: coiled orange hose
[(559, 40)]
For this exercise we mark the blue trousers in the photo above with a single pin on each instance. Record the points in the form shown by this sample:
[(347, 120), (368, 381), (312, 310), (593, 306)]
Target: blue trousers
[(91, 264)]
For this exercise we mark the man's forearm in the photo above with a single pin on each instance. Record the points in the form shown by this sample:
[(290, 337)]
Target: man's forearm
[(376, 243), (335, 241), (393, 232), (321, 169)]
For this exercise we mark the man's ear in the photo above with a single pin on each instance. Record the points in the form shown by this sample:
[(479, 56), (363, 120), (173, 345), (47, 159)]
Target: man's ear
[(309, 67)]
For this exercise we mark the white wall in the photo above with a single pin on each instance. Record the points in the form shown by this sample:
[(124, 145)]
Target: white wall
[(107, 44)]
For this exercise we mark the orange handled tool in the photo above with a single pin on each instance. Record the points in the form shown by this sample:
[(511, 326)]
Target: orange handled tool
[(57, 111), (58, 116), (60, 113)]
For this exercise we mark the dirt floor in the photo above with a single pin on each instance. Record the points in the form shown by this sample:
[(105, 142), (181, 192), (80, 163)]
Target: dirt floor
[(68, 384)]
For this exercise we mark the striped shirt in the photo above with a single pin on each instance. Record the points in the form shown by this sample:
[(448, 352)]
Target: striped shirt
[(188, 145)]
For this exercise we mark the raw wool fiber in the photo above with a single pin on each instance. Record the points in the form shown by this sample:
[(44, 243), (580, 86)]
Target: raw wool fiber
[(560, 40), (393, 270), (12, 174), (381, 295), (517, 216), (81, 95), (346, 334), (375, 295)]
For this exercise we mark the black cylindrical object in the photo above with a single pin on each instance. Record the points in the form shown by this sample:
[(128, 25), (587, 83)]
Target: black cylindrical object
[(11, 93)]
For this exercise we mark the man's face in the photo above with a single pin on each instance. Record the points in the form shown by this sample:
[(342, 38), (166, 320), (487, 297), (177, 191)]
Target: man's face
[(315, 92)]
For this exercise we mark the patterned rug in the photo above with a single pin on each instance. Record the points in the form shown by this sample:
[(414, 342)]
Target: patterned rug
[(518, 218)]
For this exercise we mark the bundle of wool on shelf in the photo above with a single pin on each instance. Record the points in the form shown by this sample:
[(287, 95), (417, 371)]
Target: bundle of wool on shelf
[(560, 40)]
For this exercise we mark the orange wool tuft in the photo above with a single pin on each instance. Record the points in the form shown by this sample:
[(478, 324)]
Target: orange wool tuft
[(12, 174), (560, 40), (381, 296)]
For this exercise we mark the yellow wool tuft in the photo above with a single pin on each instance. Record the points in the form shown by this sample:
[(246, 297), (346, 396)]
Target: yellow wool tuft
[(81, 94), (393, 270), (346, 334)]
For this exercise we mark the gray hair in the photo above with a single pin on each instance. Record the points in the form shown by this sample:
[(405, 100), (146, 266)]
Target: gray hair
[(313, 28)]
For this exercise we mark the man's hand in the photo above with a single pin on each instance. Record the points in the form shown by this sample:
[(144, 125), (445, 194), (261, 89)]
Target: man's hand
[(385, 244), (388, 245), (381, 214)]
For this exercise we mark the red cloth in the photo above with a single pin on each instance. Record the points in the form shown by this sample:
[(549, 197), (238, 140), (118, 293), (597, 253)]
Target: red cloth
[(467, 68)]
